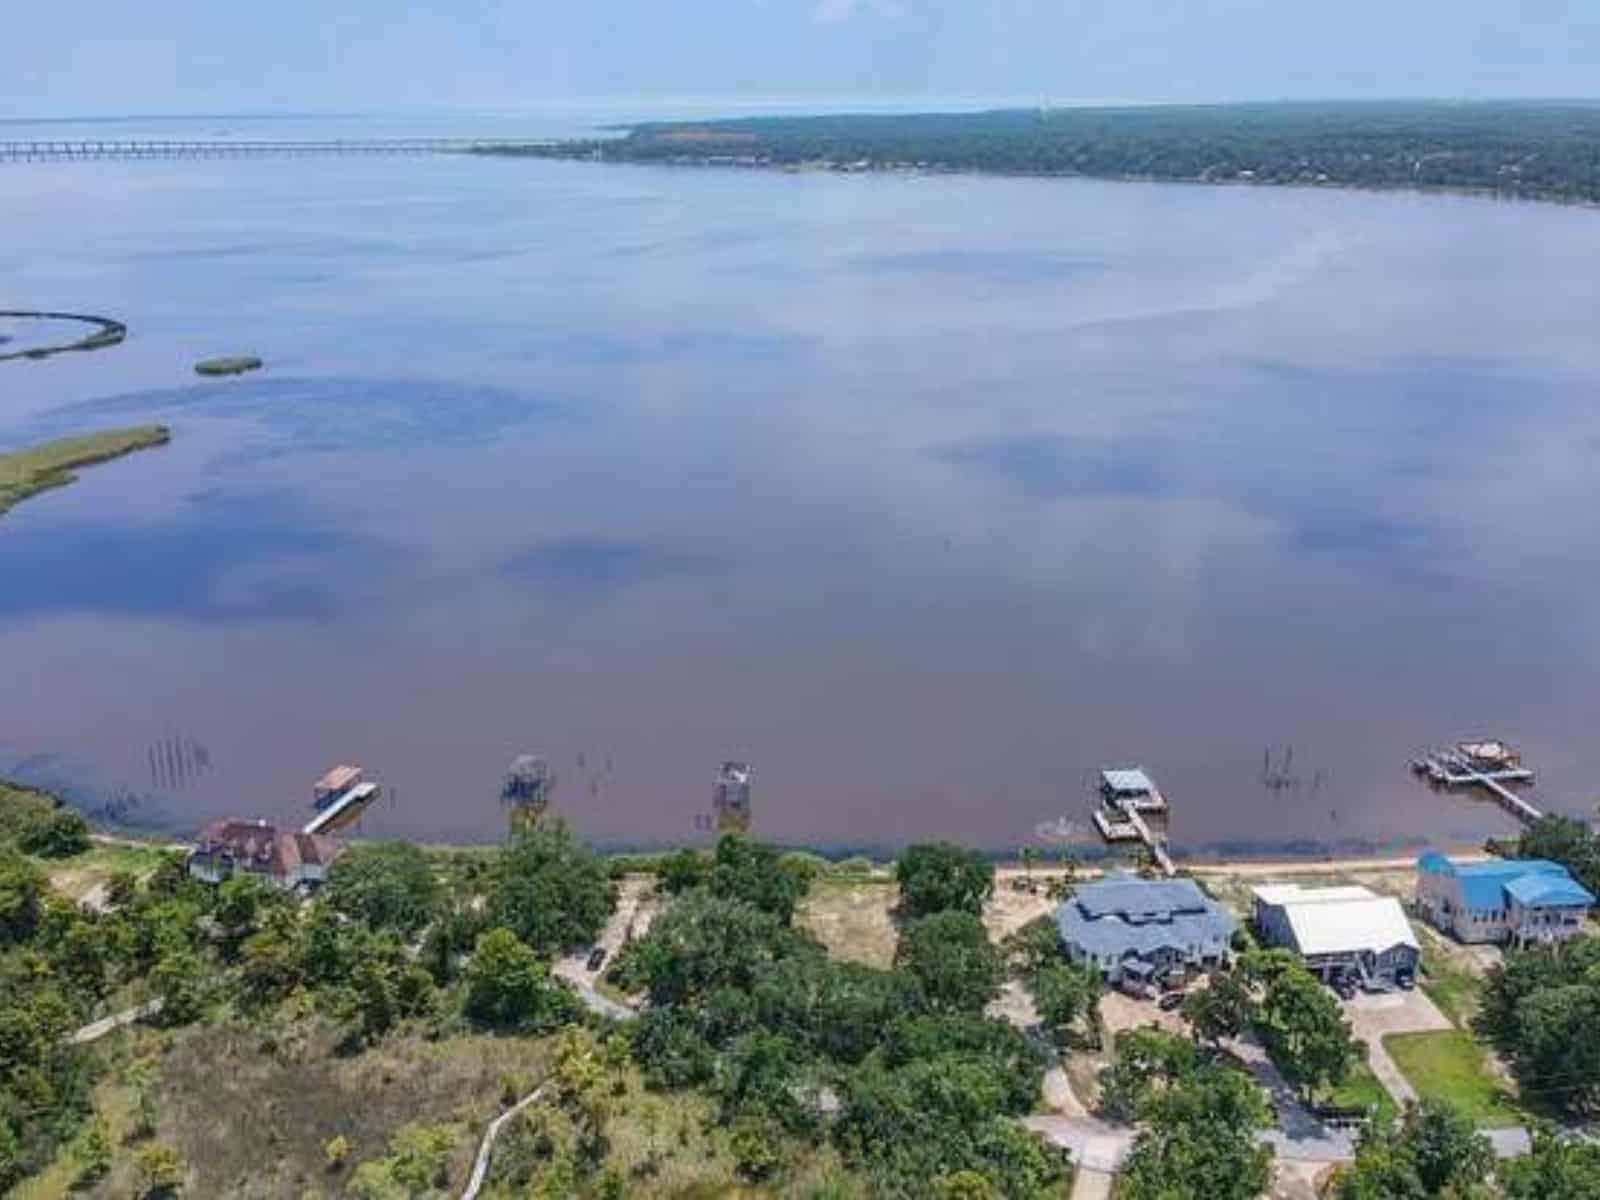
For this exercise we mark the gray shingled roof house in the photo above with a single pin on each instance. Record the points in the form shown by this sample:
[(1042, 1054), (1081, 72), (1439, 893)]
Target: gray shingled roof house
[(1125, 924)]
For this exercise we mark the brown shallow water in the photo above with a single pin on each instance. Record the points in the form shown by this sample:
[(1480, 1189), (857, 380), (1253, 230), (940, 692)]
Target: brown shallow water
[(927, 496)]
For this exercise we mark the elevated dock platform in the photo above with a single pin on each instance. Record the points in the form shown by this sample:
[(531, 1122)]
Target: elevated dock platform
[(344, 810), (1129, 803), (1488, 764)]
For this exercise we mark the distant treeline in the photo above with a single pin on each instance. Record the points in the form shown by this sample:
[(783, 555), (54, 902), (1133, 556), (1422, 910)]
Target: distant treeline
[(1534, 149)]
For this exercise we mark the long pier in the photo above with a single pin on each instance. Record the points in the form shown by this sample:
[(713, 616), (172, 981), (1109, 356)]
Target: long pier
[(82, 150), (1454, 769)]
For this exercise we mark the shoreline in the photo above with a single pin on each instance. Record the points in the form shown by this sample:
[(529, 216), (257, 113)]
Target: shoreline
[(1289, 858), (1534, 151), (571, 154)]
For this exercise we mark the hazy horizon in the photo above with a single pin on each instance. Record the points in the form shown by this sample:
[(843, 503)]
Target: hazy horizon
[(185, 57)]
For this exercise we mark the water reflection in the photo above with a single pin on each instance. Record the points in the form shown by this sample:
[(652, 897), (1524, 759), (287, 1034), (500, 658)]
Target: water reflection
[(217, 558), (926, 516)]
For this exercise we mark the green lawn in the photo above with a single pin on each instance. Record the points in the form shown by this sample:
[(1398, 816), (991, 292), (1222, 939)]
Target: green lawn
[(1362, 1090), (1452, 1066)]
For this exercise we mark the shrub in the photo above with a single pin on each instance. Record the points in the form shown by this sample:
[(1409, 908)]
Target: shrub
[(161, 1169)]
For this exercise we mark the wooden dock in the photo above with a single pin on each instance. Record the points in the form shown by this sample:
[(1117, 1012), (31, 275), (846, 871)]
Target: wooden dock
[(1127, 797), (344, 810), (1464, 765)]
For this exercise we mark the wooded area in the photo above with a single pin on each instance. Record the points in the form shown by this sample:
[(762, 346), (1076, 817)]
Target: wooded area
[(1528, 149)]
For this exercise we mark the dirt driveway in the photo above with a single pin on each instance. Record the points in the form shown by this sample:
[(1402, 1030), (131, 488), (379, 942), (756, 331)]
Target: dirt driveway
[(1119, 1011)]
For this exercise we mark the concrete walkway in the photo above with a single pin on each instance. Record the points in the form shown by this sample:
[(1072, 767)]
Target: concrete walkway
[(480, 1165), (95, 1030), (1092, 1143), (1059, 1096), (1375, 1017), (1396, 1084)]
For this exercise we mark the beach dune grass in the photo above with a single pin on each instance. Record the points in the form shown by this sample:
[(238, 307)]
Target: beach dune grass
[(25, 473), (1451, 1065)]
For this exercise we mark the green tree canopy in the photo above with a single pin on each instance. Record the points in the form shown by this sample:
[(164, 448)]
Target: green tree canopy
[(1199, 1141), (1144, 1061), (938, 876), (1558, 1168), (550, 890), (1541, 1007), (1063, 993), (703, 943), (509, 988), (390, 885), (1300, 1022), (1434, 1151), (1223, 1009), (22, 889), (950, 955), (61, 833), (758, 874)]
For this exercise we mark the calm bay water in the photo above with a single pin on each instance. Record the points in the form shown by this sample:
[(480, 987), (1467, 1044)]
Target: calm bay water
[(926, 495)]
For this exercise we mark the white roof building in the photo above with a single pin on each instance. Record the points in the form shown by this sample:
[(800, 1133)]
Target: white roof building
[(1347, 928)]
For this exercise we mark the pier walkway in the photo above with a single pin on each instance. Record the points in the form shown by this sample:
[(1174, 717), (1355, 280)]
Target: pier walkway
[(342, 811), (1132, 827), (1451, 768), (79, 150)]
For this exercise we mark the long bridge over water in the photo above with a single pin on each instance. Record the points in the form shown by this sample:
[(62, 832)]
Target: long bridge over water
[(74, 150)]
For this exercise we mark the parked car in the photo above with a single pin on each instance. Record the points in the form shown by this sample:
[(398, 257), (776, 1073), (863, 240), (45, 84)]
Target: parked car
[(1406, 980), (597, 958), (1170, 1001)]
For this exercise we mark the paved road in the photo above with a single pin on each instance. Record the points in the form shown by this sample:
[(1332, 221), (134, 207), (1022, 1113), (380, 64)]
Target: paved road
[(95, 1030), (1101, 1146), (576, 977), (480, 1165), (636, 906)]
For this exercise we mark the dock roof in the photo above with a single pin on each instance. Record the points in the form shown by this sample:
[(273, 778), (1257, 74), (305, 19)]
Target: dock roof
[(339, 778), (1127, 779)]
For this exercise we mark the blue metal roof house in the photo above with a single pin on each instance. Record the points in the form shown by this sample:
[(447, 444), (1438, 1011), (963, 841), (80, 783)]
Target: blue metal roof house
[(1506, 900), (1125, 925)]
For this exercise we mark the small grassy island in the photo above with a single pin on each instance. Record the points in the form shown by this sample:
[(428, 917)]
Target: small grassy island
[(235, 364), (25, 473), (104, 332), (1537, 150)]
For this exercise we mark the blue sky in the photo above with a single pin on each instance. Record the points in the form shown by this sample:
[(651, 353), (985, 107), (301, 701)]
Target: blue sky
[(103, 56)]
